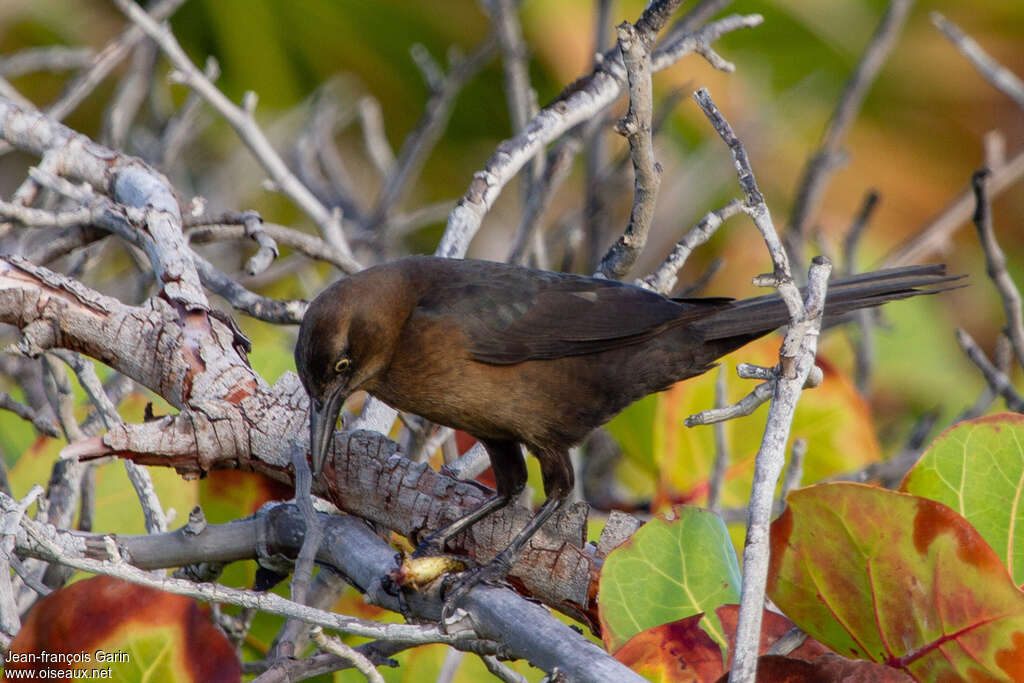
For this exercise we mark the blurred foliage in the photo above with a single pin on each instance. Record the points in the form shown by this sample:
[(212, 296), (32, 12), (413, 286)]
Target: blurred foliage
[(917, 140)]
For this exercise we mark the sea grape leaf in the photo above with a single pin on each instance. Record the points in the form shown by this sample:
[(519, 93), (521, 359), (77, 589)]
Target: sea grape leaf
[(673, 567), (897, 579), (109, 628), (681, 651), (976, 467)]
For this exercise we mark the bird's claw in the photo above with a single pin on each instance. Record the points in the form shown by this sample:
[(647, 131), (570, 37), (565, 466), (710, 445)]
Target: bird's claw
[(457, 586)]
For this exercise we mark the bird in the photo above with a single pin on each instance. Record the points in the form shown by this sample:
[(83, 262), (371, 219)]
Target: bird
[(519, 357)]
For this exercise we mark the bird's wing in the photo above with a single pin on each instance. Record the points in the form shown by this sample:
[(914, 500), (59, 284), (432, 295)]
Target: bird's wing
[(512, 315)]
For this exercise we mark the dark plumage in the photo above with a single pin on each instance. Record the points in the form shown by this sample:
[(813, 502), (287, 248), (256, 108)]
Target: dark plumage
[(519, 356)]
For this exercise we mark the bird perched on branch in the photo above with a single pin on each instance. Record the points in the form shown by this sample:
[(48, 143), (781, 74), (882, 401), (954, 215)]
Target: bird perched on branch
[(520, 357)]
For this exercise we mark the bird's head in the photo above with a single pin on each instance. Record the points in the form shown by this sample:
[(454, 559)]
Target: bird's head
[(346, 340)]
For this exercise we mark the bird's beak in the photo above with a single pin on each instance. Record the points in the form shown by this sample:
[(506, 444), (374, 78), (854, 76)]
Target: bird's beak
[(322, 417)]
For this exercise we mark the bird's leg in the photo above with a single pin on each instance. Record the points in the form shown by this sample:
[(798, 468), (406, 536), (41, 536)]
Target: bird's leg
[(557, 472), (510, 478)]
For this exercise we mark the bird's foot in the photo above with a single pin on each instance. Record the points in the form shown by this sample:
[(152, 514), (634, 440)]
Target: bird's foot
[(457, 586)]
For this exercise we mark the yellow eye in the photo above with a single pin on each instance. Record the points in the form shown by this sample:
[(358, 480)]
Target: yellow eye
[(342, 365)]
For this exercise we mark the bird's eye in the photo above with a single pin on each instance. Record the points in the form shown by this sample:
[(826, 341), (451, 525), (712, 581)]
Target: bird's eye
[(342, 364)]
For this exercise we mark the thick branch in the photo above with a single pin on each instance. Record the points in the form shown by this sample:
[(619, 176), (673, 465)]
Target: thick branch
[(127, 180)]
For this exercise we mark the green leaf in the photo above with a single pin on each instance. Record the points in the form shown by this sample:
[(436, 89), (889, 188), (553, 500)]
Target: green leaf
[(898, 579), (672, 568), (977, 468)]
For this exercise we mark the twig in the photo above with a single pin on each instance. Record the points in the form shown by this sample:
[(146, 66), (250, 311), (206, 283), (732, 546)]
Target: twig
[(183, 124), (995, 264), (421, 140), (108, 58), (757, 209), (521, 98), (470, 464), (42, 425), (306, 244), (717, 477), (767, 467), (242, 121), (10, 92), (282, 312), (995, 73), (696, 17), (702, 280), (502, 672), (542, 191), (129, 95), (595, 213), (10, 622), (745, 406), (853, 235), (514, 62), (863, 343), (636, 127), (401, 224), (347, 653), (997, 380), (1003, 360), (371, 122), (795, 471), (291, 670), (796, 361), (578, 103), (252, 228), (663, 280), (49, 58), (824, 161), (152, 509), (890, 472)]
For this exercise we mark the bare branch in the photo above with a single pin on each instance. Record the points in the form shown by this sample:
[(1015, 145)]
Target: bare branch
[(49, 58), (105, 62), (717, 477), (995, 73), (636, 127), (542, 191), (347, 653), (663, 280), (997, 380), (576, 104), (376, 141), (42, 425), (767, 467), (152, 510), (146, 212), (421, 140), (824, 161), (995, 265), (241, 119), (757, 209), (182, 126)]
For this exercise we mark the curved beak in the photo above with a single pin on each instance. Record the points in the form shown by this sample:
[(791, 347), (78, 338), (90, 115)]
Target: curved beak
[(322, 417)]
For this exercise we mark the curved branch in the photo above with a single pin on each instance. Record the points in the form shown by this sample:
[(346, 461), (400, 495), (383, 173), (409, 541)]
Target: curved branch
[(580, 101)]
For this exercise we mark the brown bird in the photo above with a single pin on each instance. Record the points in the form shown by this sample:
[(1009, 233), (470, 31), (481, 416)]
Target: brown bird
[(521, 357)]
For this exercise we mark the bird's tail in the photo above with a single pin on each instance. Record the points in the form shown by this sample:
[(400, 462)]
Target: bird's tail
[(755, 317)]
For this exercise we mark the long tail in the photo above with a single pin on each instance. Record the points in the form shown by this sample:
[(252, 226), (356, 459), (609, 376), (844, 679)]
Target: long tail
[(751, 318)]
